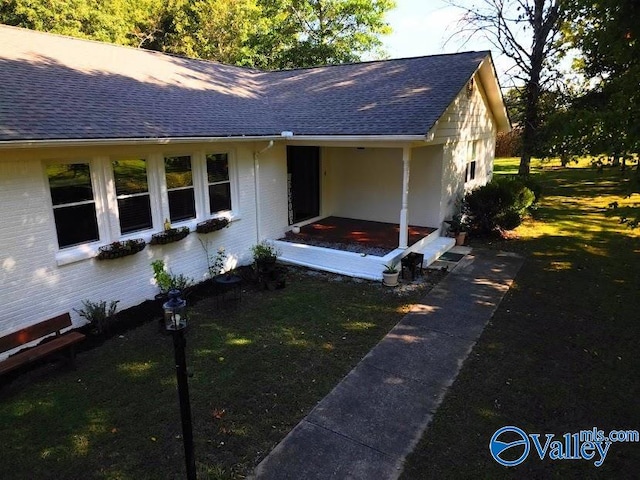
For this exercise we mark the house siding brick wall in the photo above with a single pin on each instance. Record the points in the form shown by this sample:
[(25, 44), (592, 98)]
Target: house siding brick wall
[(36, 286), (468, 119)]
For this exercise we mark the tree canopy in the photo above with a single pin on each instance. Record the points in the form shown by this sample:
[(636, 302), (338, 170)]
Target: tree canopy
[(605, 116), (270, 34)]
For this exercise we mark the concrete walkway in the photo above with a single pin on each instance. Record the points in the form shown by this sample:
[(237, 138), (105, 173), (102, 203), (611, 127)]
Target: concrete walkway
[(375, 416)]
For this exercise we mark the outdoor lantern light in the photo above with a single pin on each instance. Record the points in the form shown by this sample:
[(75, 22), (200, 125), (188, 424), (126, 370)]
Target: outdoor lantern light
[(175, 317), (175, 312)]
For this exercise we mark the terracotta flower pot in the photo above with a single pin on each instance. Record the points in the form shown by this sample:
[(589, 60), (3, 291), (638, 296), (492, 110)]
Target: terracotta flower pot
[(461, 238)]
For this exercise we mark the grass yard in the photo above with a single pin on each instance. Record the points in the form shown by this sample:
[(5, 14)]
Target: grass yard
[(561, 353), (258, 370)]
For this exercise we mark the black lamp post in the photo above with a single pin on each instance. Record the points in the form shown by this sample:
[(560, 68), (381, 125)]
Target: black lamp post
[(175, 316)]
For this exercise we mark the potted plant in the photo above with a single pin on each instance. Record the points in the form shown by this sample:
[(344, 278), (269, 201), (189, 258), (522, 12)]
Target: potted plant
[(457, 228), (390, 274), (166, 281), (265, 255)]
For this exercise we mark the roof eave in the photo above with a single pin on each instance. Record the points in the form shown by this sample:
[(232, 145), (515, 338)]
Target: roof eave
[(100, 142), (489, 79)]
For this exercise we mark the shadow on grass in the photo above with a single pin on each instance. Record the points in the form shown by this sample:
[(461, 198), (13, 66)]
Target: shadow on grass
[(257, 369), (560, 354)]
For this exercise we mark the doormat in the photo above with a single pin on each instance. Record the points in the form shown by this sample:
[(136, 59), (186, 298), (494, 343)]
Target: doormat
[(451, 257)]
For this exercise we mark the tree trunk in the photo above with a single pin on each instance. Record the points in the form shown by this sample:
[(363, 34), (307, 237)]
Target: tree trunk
[(531, 117), (541, 28)]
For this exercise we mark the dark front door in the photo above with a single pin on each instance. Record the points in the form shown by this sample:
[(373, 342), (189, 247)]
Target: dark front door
[(303, 169)]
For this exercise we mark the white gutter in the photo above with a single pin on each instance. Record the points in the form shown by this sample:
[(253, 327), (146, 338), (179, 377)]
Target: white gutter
[(256, 180), (358, 138), (180, 140), (128, 141)]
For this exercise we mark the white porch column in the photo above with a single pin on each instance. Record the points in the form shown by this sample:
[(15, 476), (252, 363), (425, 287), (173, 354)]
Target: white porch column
[(404, 212)]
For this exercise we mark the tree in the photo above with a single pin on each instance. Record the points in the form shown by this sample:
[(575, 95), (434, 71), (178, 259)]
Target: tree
[(305, 33), (607, 34), (605, 118), (529, 33), (210, 29), (262, 33), (104, 21)]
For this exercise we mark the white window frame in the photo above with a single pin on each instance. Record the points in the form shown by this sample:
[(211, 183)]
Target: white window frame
[(233, 177), (105, 197), (196, 173), (82, 251), (112, 195), (471, 173)]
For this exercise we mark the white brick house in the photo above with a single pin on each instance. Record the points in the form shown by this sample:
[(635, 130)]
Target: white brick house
[(392, 141)]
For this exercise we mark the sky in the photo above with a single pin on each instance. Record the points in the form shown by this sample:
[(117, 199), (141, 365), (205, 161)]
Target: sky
[(421, 27), (425, 27)]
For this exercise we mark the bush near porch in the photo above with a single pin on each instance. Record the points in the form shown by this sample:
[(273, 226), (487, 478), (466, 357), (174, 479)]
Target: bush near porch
[(258, 370)]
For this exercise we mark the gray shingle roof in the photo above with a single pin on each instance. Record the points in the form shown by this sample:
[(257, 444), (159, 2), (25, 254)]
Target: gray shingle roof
[(56, 87)]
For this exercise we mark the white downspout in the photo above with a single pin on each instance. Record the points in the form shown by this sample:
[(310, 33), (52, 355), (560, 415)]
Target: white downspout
[(404, 213), (256, 179)]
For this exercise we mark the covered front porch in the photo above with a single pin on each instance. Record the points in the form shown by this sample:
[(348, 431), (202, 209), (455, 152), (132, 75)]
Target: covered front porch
[(355, 209), (358, 248)]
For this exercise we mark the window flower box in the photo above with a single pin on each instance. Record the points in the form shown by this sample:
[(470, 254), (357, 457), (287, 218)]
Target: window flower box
[(169, 236), (212, 225), (121, 249)]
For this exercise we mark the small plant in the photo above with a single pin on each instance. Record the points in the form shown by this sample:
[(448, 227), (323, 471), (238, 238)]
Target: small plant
[(98, 314), (391, 267), (215, 263), (166, 281), (265, 251), (161, 276)]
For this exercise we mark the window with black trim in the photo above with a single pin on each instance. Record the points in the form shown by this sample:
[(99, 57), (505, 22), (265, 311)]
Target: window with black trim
[(180, 190), (218, 182), (132, 192), (74, 206)]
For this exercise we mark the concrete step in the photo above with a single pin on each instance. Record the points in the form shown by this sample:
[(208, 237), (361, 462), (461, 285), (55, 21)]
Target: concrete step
[(435, 248)]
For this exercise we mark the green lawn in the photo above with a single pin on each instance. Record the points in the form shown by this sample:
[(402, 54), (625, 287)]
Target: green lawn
[(258, 370), (561, 353)]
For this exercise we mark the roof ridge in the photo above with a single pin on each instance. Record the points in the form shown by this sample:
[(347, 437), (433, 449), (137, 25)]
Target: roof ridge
[(382, 60), (128, 47)]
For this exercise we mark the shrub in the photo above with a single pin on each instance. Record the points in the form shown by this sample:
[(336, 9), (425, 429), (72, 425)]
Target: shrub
[(498, 205), (265, 251), (536, 187), (167, 281), (98, 314)]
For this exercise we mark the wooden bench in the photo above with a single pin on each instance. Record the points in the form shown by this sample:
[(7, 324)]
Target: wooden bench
[(64, 341)]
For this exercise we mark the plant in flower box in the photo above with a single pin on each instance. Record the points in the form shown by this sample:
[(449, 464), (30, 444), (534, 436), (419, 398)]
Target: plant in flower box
[(169, 235), (212, 225), (121, 249)]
